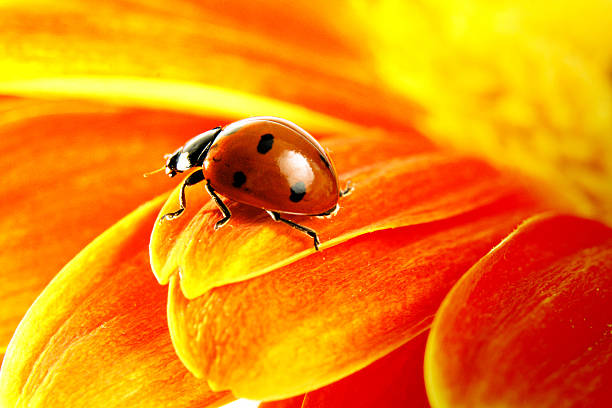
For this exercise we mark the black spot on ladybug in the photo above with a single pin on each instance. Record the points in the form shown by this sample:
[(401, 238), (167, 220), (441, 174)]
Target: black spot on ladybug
[(325, 161), (239, 179), (265, 143), (215, 159), (298, 190)]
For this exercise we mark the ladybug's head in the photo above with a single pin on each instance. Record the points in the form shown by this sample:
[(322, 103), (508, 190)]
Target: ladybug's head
[(172, 166), (172, 163), (192, 154), (189, 156)]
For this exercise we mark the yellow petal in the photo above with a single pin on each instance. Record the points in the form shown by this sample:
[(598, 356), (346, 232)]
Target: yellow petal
[(524, 84)]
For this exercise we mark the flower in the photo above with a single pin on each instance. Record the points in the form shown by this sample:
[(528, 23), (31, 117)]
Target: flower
[(517, 302)]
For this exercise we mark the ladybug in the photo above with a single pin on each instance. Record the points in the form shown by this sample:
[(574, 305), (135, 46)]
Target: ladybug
[(265, 162)]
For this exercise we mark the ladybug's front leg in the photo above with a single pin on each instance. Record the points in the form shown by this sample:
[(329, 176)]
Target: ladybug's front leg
[(193, 178), (226, 212), (276, 217)]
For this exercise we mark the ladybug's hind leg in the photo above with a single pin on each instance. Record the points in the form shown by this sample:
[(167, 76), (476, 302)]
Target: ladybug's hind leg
[(276, 217), (226, 212), (193, 178)]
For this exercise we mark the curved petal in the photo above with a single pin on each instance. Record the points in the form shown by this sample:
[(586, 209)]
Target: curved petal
[(237, 46), (314, 321), (98, 336), (70, 170), (529, 324), (395, 380), (390, 191)]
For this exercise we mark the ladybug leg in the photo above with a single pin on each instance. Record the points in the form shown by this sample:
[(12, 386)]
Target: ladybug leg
[(276, 217), (193, 178), (226, 212), (347, 190)]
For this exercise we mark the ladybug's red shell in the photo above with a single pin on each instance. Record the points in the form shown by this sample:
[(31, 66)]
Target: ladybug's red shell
[(273, 164)]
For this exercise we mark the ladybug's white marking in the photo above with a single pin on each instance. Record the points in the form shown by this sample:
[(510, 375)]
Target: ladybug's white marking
[(183, 163)]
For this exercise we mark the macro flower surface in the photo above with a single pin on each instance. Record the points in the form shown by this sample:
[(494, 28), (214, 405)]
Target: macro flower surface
[(462, 158)]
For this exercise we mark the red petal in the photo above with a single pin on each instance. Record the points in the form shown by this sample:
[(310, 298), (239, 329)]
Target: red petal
[(530, 324), (395, 380), (295, 402)]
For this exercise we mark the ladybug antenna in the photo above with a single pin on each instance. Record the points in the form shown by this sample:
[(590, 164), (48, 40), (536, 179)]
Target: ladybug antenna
[(154, 171)]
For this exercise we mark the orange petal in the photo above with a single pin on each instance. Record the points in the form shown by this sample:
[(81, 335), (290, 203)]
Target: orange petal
[(530, 324), (314, 321), (69, 171), (98, 337), (392, 189), (242, 47)]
